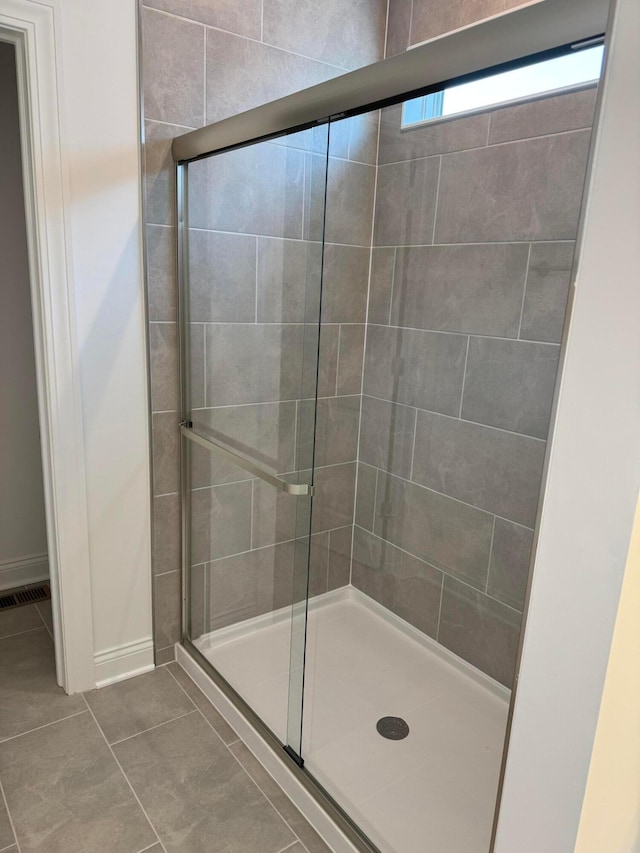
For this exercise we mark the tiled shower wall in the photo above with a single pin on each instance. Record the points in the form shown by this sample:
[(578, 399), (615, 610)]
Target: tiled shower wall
[(203, 60), (474, 233)]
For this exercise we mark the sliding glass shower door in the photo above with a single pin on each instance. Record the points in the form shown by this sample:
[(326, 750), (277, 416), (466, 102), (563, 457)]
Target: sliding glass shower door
[(251, 232)]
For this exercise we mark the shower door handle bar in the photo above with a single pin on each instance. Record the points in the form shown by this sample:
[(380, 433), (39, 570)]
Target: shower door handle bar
[(246, 464)]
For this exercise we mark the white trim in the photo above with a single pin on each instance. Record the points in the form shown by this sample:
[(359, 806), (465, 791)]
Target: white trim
[(24, 570), (273, 764), (32, 27), (123, 662), (592, 486)]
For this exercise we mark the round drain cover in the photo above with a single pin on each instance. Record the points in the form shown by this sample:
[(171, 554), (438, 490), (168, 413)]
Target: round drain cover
[(393, 728)]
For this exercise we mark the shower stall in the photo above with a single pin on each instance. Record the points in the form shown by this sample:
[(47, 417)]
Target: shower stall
[(371, 317)]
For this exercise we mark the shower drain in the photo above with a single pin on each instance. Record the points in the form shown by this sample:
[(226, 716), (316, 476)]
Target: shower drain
[(393, 728)]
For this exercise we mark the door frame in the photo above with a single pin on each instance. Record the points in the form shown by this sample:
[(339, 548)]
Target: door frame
[(33, 28)]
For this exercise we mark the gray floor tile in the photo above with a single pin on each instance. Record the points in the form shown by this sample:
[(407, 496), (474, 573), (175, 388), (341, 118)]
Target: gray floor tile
[(280, 800), (7, 838), (197, 795), (210, 713), (138, 704), (18, 620), (66, 794), (44, 609), (27, 664)]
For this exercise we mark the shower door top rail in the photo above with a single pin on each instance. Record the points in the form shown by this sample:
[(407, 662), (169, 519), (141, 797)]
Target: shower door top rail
[(544, 27), (246, 464)]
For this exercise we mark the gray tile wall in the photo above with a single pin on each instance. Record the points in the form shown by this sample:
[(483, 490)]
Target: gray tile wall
[(475, 223), (203, 60)]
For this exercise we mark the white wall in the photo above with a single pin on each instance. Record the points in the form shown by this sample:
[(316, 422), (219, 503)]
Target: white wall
[(592, 489), (100, 115), (23, 535), (611, 810)]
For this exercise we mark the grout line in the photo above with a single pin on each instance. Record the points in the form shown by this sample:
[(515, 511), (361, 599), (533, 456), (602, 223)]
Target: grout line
[(45, 726), (247, 38), (493, 533), (126, 778), (386, 30), (150, 847), (297, 838), (204, 364), (440, 610), (483, 146), (435, 207), (375, 500), (167, 124), (460, 334), (408, 45), (446, 572), (364, 343), (251, 510), (262, 21), (454, 418), (486, 145), (413, 448), (211, 726), (464, 379), (257, 278), (204, 79), (524, 289), (26, 631), (50, 632), (13, 829), (151, 728), (393, 282), (338, 359)]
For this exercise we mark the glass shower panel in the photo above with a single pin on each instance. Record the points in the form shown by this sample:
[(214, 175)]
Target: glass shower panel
[(470, 226), (252, 247)]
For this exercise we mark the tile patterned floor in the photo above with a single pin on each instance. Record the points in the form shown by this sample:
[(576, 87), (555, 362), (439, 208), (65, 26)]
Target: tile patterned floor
[(144, 765)]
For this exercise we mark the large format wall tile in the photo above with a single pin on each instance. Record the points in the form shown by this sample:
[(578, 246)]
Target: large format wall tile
[(572, 111), (166, 534), (528, 190), (334, 496), (256, 190), (433, 19), (350, 358), (220, 521), (166, 609), (475, 289), (509, 384), (410, 143), (249, 584), (345, 278), (545, 301), (172, 69), (435, 528), (288, 280), (398, 26), (422, 369), (509, 567), (405, 202), (405, 585), (222, 277), (479, 629), (336, 431), (350, 194), (486, 467), (366, 495), (242, 17), (233, 84), (253, 363), (166, 453), (341, 32), (163, 357), (386, 436), (339, 568), (265, 432), (161, 273), (381, 285)]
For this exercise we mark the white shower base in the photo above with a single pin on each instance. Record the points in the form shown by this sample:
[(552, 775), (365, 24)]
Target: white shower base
[(434, 791)]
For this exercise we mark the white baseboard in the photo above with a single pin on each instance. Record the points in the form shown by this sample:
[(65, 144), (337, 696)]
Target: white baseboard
[(31, 569), (123, 662)]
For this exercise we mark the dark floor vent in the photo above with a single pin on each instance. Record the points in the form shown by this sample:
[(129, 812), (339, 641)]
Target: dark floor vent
[(24, 595)]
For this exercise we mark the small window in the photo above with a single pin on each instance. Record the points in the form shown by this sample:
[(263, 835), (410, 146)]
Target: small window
[(572, 69)]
